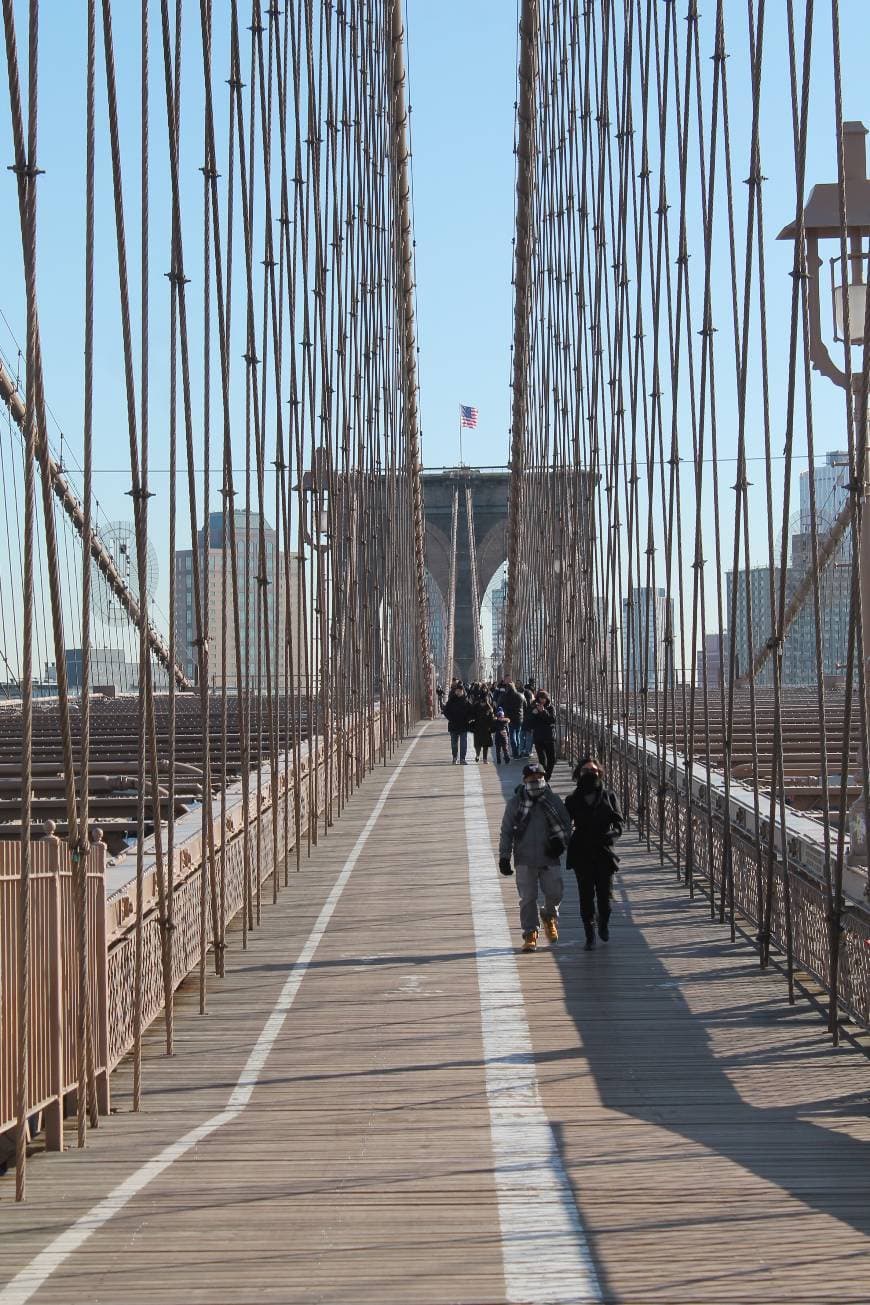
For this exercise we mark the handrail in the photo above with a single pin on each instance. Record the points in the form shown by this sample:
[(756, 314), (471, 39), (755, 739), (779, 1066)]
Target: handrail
[(683, 820)]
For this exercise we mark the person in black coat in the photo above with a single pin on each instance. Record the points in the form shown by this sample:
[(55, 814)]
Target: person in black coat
[(597, 820), (458, 711), (482, 722), (543, 724)]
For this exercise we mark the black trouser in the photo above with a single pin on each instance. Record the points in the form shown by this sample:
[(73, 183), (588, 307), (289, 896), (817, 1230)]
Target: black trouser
[(594, 883), (459, 744), (546, 750)]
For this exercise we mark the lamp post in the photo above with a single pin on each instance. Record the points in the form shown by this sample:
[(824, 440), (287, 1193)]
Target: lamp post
[(315, 490), (848, 280), (315, 509), (557, 618)]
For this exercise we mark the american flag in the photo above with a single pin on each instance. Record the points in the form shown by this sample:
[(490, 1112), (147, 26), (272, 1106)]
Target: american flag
[(467, 416)]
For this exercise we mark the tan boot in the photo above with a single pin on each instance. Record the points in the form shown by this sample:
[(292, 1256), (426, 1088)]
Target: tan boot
[(551, 928)]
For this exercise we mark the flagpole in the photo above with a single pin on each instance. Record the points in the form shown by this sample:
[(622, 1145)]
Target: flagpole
[(460, 434)]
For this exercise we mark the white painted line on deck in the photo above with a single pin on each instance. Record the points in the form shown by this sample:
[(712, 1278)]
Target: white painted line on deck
[(28, 1281), (544, 1248)]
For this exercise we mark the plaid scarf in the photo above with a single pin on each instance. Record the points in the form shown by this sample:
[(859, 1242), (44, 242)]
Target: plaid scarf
[(524, 815)]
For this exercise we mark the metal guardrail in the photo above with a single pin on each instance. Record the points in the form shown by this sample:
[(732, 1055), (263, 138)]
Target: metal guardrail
[(657, 795), (112, 923), (314, 793), (53, 982)]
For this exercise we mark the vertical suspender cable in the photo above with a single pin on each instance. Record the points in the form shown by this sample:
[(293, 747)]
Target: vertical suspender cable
[(405, 309), (26, 174), (477, 669), (169, 995), (529, 35), (86, 1086), (451, 596)]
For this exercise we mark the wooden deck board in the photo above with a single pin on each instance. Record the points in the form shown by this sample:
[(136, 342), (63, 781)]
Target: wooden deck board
[(715, 1145)]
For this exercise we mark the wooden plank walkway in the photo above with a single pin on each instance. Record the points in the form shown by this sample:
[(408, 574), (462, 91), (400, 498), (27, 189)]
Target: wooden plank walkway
[(701, 1141)]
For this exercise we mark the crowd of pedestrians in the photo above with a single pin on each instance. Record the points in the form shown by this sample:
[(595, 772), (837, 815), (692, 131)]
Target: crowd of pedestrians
[(501, 717), (539, 827)]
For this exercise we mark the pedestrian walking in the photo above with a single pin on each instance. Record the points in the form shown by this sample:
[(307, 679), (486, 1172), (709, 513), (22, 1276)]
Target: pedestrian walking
[(543, 723), (457, 709), (534, 830), (513, 704), (482, 723), (597, 823), (528, 704), (500, 730)]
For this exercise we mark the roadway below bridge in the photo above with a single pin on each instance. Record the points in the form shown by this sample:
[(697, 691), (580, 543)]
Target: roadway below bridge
[(387, 1103)]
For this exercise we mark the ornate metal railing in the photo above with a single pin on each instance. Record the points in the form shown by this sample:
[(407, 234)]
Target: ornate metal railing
[(52, 982), (316, 787), (306, 797), (656, 793)]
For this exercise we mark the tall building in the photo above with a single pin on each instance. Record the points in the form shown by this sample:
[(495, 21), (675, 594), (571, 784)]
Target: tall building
[(799, 661), (498, 603), (799, 656), (646, 622), (831, 481), (251, 637), (710, 659), (437, 623), (753, 622)]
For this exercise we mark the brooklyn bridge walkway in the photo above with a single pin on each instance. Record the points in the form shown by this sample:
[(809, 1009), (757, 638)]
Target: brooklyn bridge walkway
[(386, 1103)]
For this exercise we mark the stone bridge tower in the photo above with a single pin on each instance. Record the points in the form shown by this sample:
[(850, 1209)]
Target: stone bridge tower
[(489, 495)]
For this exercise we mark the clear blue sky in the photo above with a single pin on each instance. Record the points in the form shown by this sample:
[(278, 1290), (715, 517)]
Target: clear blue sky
[(462, 91), (462, 87)]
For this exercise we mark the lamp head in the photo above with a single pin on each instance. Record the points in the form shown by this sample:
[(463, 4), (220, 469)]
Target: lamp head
[(822, 211), (822, 221)]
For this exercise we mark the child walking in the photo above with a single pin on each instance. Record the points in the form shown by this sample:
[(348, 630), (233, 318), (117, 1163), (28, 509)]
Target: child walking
[(500, 737)]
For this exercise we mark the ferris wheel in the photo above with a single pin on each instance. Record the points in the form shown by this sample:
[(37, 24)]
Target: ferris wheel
[(119, 538)]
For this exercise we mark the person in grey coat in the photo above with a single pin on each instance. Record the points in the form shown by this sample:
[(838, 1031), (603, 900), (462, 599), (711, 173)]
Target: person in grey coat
[(535, 829)]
